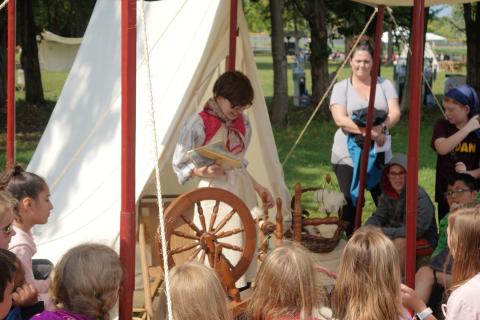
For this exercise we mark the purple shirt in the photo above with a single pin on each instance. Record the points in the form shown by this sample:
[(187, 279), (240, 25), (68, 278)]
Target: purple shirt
[(60, 315)]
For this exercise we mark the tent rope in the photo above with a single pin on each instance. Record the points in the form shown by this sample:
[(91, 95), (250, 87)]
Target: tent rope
[(157, 169), (4, 3), (334, 80), (404, 40)]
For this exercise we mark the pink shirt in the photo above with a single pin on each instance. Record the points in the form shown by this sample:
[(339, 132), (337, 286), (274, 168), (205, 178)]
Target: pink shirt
[(24, 247), (464, 302)]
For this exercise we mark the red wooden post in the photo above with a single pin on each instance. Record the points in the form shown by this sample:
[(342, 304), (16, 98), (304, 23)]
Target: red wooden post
[(371, 102), (413, 135), (11, 69), (232, 48), (127, 214)]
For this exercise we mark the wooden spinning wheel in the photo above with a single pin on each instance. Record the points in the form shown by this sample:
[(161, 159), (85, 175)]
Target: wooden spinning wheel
[(202, 231)]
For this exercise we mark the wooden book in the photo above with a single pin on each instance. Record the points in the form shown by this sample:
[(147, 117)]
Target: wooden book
[(215, 153)]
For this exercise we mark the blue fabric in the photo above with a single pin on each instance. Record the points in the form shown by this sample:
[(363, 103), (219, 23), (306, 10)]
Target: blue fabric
[(14, 314), (467, 96), (373, 172)]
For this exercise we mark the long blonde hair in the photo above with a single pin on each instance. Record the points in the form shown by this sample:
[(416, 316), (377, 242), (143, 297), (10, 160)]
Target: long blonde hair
[(286, 285), (86, 280), (464, 243), (368, 282), (196, 294)]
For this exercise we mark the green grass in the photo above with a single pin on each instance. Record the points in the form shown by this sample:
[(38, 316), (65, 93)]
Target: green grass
[(310, 161)]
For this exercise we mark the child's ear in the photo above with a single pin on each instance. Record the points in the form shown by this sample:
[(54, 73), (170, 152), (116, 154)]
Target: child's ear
[(26, 203)]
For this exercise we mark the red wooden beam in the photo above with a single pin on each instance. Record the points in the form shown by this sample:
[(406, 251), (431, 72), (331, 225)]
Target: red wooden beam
[(413, 137), (232, 48), (11, 44), (127, 214), (371, 102)]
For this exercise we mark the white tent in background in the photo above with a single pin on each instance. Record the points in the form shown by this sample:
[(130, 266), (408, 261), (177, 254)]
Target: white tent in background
[(57, 53), (79, 152), (402, 32)]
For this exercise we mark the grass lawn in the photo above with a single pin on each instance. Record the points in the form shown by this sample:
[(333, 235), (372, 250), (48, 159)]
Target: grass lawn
[(310, 161)]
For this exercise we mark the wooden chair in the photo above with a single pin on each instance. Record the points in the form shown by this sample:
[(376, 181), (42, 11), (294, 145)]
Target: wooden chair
[(152, 277), (315, 242)]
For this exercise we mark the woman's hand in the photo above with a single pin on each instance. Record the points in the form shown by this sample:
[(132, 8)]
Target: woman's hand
[(211, 171), (25, 295), (268, 196)]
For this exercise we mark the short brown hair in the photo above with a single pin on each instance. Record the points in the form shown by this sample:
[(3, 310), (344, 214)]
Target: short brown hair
[(234, 86)]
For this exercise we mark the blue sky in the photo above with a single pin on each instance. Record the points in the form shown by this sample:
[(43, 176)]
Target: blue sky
[(445, 10)]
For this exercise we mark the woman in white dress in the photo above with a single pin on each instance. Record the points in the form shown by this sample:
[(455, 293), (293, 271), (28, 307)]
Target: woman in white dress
[(222, 119)]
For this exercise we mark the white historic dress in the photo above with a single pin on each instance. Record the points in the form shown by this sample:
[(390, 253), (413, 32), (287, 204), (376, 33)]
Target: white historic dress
[(237, 181)]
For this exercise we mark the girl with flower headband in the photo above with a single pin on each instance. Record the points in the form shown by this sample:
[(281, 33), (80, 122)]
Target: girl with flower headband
[(223, 119), (456, 141)]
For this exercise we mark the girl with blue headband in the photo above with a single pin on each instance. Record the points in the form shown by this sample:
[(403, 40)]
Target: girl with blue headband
[(456, 141)]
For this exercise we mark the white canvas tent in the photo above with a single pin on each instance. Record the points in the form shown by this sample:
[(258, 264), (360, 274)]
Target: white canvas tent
[(57, 53), (79, 152)]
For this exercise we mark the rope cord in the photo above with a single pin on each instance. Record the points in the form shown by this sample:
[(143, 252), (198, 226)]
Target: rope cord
[(334, 80), (157, 169), (4, 3), (404, 40)]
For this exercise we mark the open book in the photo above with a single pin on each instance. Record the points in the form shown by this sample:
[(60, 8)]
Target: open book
[(214, 153)]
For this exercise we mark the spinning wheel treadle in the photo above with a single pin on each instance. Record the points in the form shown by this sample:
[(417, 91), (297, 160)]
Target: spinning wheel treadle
[(207, 234)]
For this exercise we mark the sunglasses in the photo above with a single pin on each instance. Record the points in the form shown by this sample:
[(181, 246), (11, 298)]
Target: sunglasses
[(456, 192), (8, 230)]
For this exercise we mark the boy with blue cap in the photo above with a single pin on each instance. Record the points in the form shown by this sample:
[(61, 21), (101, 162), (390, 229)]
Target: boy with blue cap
[(456, 141)]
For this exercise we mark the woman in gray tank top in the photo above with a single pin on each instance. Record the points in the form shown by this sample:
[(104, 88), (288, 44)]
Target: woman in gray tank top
[(349, 98)]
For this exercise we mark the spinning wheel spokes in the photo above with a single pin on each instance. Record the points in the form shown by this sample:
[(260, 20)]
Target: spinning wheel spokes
[(224, 221), (191, 225), (229, 233), (214, 215), (193, 233), (230, 246), (183, 249), (185, 235), (195, 253), (202, 217)]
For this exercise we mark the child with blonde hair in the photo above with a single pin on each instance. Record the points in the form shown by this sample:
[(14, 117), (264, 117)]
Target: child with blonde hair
[(7, 203), (368, 282), (85, 284), (464, 243), (33, 207), (196, 294), (286, 287)]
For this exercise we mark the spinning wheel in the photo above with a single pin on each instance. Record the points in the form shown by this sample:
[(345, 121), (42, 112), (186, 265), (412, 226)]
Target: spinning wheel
[(201, 231)]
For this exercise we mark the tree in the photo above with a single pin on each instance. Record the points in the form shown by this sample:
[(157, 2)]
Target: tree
[(27, 32), (3, 61), (280, 88), (472, 25), (314, 12)]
